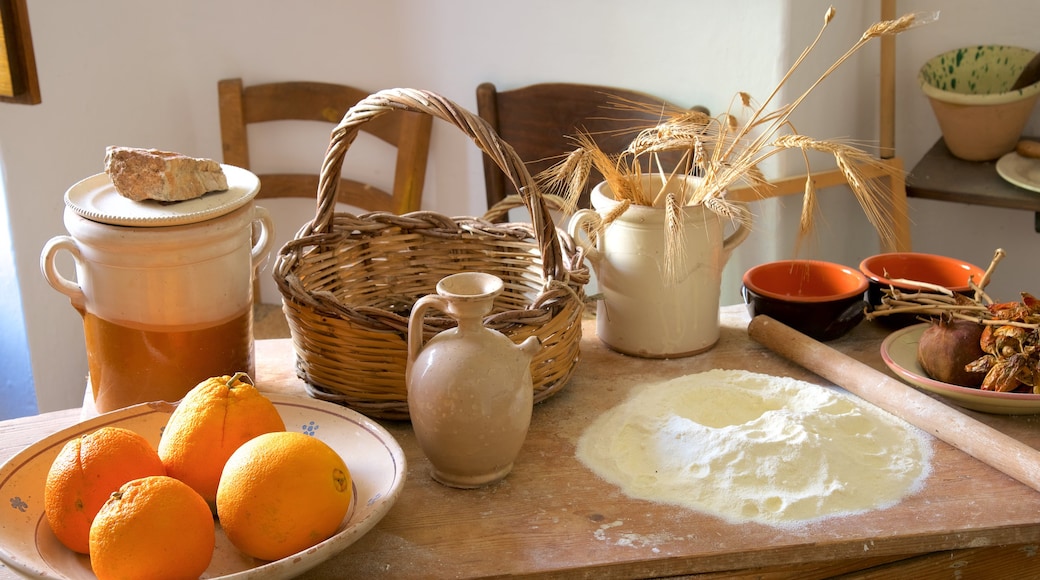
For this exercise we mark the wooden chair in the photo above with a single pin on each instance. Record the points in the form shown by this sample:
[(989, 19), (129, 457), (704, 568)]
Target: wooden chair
[(312, 101), (539, 122)]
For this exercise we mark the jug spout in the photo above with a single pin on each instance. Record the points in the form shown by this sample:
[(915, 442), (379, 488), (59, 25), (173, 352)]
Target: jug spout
[(530, 346)]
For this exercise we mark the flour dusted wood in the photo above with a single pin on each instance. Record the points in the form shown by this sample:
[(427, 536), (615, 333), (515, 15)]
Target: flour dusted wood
[(746, 446)]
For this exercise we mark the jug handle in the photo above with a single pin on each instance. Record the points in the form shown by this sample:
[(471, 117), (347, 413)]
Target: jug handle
[(739, 235), (582, 222), (415, 323), (50, 271), (262, 248)]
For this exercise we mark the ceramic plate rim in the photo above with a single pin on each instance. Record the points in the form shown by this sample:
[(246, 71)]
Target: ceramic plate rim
[(1010, 168), (899, 351), (291, 566), (95, 197)]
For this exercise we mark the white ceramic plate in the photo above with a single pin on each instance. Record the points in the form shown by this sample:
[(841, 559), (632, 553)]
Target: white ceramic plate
[(375, 460), (1021, 171), (95, 198), (899, 351)]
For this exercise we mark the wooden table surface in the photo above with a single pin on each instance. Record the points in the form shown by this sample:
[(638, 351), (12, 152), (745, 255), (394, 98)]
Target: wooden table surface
[(553, 517)]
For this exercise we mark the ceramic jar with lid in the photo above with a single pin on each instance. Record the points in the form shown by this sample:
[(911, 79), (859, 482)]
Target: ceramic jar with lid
[(165, 289)]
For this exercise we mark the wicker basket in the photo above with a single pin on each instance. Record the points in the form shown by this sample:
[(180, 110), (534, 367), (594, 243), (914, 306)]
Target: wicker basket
[(348, 282)]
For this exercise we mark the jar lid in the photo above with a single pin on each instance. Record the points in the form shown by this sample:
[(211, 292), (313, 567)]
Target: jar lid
[(95, 198)]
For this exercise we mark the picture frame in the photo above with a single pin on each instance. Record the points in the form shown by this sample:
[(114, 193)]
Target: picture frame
[(18, 80)]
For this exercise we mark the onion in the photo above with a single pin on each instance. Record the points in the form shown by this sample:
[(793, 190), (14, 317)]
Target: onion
[(946, 347)]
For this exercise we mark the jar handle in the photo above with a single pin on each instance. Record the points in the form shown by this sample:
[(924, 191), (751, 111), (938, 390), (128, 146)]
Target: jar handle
[(265, 239), (54, 278), (415, 328), (582, 222)]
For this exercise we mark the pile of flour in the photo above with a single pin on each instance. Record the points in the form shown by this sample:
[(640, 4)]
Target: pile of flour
[(745, 446)]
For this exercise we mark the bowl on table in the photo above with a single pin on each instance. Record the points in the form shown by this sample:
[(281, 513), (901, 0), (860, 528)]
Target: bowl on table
[(970, 89), (375, 459), (890, 269), (820, 299)]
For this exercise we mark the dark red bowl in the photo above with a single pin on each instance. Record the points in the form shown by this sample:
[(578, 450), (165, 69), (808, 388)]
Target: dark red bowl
[(820, 299)]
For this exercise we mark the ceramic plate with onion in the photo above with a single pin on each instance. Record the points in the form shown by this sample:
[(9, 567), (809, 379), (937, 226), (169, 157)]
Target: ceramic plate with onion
[(376, 463), (899, 351)]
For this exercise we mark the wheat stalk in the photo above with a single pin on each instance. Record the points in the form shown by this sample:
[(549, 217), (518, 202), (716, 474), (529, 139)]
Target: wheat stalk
[(675, 249)]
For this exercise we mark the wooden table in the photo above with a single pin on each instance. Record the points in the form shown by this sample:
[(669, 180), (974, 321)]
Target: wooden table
[(552, 517)]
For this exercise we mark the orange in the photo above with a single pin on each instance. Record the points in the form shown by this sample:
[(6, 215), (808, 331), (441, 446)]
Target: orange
[(209, 424), (282, 493), (86, 471), (154, 527)]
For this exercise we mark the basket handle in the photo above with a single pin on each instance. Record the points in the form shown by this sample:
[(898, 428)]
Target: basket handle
[(475, 127)]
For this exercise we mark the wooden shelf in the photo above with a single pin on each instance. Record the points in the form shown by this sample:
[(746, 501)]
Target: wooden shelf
[(941, 176)]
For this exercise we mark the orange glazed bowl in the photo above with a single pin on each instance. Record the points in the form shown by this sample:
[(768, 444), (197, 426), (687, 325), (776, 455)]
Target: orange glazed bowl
[(882, 269), (820, 299)]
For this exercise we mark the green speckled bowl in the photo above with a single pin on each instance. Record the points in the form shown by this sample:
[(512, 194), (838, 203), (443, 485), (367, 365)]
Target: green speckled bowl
[(969, 88)]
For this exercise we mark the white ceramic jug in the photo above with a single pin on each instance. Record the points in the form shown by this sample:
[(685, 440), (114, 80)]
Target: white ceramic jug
[(470, 391), (644, 311), (165, 290)]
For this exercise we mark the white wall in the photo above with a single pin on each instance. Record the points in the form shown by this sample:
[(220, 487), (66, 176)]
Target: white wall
[(17, 398), (125, 72)]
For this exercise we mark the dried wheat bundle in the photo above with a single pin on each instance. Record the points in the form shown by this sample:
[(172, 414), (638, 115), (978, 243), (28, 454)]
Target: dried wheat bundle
[(725, 151)]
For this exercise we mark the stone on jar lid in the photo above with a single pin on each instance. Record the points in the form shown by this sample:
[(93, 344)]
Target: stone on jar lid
[(141, 174), (96, 198)]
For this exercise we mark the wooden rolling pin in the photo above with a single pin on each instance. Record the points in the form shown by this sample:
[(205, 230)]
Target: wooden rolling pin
[(977, 439)]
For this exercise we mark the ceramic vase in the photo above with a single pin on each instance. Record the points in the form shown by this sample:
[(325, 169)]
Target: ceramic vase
[(470, 392)]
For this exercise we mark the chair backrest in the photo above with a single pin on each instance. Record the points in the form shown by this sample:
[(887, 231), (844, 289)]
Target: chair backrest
[(540, 122), (312, 101)]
